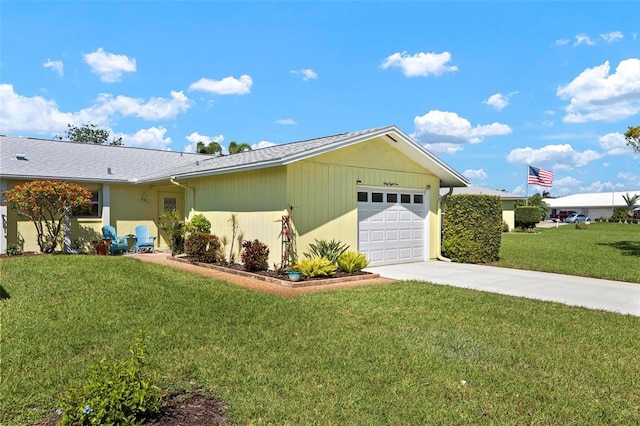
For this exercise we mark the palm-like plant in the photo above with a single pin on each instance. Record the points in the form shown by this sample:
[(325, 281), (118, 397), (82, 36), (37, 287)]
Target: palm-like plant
[(212, 148), (631, 202), (235, 147)]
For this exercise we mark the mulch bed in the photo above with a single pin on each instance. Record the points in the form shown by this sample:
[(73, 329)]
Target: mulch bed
[(282, 279), (196, 408)]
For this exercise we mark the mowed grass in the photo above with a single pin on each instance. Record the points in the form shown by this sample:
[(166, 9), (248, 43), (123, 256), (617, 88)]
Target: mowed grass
[(394, 354), (605, 250)]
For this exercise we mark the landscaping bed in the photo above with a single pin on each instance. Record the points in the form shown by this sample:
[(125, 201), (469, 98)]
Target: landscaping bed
[(281, 279)]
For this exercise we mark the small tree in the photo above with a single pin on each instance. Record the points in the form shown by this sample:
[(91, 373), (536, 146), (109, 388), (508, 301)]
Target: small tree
[(47, 203), (235, 147), (213, 148), (632, 136), (90, 133), (631, 202)]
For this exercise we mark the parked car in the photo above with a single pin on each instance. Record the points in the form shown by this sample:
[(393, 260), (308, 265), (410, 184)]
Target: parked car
[(577, 218), (563, 214)]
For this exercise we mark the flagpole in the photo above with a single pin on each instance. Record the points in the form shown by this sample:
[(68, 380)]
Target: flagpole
[(526, 200)]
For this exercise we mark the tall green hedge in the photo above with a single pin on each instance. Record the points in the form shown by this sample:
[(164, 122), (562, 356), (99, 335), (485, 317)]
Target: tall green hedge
[(472, 228), (527, 216)]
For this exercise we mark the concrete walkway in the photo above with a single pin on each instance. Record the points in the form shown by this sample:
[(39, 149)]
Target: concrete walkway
[(591, 293)]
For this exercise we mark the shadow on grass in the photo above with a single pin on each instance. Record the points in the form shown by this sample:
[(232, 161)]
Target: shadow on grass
[(3, 293), (628, 248)]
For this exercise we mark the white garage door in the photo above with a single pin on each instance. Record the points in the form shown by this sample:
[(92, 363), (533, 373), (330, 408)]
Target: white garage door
[(392, 226)]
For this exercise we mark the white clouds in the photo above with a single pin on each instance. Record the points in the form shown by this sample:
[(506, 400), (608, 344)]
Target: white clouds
[(444, 131), (560, 157), (596, 95), (562, 42), (306, 73), (196, 137), (583, 39), (226, 86), (421, 64), (56, 66), (286, 121), (612, 36), (108, 66), (153, 109), (152, 137), (478, 174), (615, 144), (262, 144), (37, 114), (499, 101)]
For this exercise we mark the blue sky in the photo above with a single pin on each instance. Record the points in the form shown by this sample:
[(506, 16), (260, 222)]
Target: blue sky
[(487, 86)]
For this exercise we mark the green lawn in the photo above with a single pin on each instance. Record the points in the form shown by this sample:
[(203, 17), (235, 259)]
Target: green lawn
[(605, 250), (392, 354)]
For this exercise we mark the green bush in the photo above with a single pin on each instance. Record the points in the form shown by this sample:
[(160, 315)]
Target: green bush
[(582, 225), (117, 393), (351, 261), (619, 213), (472, 228), (317, 267), (13, 250), (330, 250), (198, 224), (255, 256), (527, 216), (203, 247)]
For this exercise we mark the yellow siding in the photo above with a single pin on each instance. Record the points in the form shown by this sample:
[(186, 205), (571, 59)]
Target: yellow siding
[(508, 213), (257, 197)]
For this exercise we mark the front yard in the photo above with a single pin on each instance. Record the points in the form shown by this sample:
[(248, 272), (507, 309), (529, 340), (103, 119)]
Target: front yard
[(404, 353), (605, 250)]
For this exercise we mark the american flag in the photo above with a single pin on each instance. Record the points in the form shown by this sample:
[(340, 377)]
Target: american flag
[(540, 177)]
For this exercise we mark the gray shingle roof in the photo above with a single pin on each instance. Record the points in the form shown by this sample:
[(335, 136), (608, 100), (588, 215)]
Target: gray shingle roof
[(86, 162), (478, 190)]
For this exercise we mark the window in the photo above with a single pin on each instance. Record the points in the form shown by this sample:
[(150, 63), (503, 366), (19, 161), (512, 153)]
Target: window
[(169, 204), (418, 199), (392, 198), (376, 197), (363, 196), (93, 210), (405, 198)]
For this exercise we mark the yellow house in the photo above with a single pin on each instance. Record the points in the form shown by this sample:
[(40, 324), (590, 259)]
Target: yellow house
[(376, 190)]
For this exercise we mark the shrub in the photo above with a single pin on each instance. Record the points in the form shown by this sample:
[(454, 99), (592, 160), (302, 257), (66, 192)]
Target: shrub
[(317, 267), (13, 250), (527, 216), (472, 228), (203, 247), (582, 225), (255, 256), (47, 203), (505, 226), (171, 224), (330, 250), (351, 261), (198, 224), (116, 393)]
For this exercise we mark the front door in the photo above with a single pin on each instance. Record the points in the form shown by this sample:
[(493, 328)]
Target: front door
[(169, 201)]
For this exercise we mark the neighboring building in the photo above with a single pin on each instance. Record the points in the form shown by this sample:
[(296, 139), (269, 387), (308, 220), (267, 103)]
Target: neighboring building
[(376, 190), (595, 205), (508, 200)]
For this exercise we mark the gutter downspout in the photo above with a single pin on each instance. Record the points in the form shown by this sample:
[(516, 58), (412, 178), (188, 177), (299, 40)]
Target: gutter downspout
[(172, 179), (440, 201)]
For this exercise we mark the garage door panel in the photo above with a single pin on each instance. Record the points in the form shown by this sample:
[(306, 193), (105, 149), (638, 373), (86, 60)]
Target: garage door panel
[(392, 232)]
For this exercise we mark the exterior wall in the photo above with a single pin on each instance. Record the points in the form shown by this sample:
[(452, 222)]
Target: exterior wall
[(323, 191), (130, 205), (509, 213), (257, 197)]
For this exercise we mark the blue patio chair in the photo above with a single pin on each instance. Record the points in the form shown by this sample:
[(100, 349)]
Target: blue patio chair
[(118, 244), (143, 240)]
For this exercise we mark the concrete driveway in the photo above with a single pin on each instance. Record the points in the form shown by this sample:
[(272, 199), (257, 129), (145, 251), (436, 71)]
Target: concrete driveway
[(614, 296)]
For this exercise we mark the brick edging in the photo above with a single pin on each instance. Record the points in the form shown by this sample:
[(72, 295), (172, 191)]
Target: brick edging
[(277, 281)]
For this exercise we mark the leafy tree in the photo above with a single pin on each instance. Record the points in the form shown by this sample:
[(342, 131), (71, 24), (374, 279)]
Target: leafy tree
[(632, 137), (90, 133), (631, 202), (535, 201), (47, 203), (212, 148), (235, 147)]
